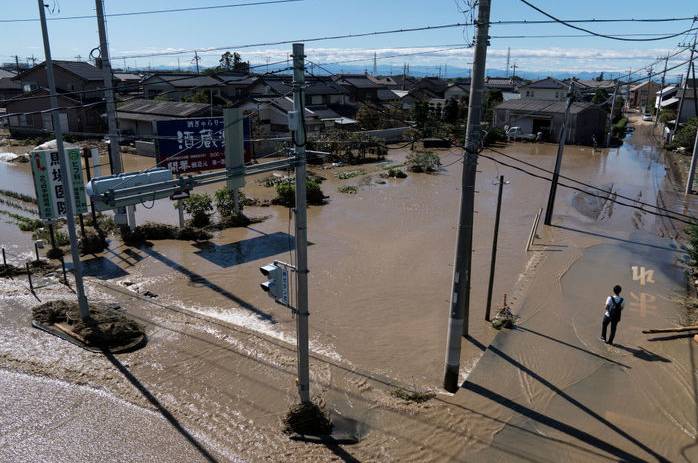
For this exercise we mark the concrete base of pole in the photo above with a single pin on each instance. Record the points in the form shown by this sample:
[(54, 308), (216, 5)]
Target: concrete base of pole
[(451, 379)]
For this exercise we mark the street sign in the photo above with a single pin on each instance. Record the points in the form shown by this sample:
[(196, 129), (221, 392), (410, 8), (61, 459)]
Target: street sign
[(194, 145), (48, 184)]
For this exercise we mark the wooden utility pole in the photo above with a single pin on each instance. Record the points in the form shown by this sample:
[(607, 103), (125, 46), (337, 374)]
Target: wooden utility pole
[(610, 116), (460, 292), (684, 87)]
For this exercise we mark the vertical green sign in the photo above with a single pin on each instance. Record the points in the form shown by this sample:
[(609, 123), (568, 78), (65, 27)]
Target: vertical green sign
[(48, 183)]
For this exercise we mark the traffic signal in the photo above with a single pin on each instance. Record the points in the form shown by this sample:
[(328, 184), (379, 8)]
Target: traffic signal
[(277, 283)]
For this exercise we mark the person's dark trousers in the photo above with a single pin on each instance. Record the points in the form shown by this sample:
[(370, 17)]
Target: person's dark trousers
[(614, 323)]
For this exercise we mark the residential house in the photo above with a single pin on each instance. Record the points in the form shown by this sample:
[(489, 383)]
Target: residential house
[(318, 91), (236, 86), (586, 120), (137, 118), (360, 86), (503, 84), (81, 80), (549, 89), (177, 86), (128, 83), (666, 98), (29, 114), (588, 88), (457, 90), (642, 95), (8, 88)]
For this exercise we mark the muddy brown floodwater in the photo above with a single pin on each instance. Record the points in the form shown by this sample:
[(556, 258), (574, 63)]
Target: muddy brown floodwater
[(381, 267)]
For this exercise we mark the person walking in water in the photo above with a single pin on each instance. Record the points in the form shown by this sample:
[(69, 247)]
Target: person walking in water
[(612, 310)]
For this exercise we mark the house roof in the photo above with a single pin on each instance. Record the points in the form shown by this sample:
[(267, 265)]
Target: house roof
[(533, 105), (594, 84), (314, 86), (323, 112), (359, 81), (81, 69), (385, 94), (642, 84), (162, 108), (7, 74), (126, 76), (666, 90), (184, 80), (237, 80), (547, 83)]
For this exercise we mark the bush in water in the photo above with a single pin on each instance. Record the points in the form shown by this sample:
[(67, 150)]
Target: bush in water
[(199, 206)]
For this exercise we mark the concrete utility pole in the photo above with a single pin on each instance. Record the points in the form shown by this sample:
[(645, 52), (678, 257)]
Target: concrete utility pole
[(17, 63), (661, 91), (301, 224), (66, 177), (649, 88), (684, 87), (460, 292), (558, 159), (196, 60), (121, 216), (610, 117), (495, 238)]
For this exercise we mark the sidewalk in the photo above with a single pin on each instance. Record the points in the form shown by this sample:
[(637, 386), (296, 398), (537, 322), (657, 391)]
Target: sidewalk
[(564, 394)]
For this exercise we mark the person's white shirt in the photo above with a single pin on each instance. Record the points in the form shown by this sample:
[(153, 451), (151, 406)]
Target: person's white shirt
[(617, 300)]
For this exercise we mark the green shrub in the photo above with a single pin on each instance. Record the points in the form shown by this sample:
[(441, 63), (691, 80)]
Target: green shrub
[(224, 201), (286, 193), (396, 173), (92, 243), (423, 161), (55, 253), (193, 234), (348, 189), (686, 135), (494, 135), (199, 206), (692, 246), (350, 174), (44, 234), (619, 127)]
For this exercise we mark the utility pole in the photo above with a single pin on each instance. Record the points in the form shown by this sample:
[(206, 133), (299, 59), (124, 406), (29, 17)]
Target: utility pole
[(301, 230), (610, 117), (513, 67), (196, 60), (558, 159), (649, 88), (375, 63), (493, 262), (121, 216), (17, 63), (33, 60), (460, 292), (508, 59), (684, 87), (661, 91), (66, 177), (627, 89)]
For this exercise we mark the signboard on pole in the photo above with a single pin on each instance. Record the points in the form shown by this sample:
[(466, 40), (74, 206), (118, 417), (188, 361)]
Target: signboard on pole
[(48, 184), (194, 145)]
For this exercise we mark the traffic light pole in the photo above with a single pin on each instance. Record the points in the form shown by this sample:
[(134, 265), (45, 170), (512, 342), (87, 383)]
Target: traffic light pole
[(460, 291), (66, 177), (301, 224)]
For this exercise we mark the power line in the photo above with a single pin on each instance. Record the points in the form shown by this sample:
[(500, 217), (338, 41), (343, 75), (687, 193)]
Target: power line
[(607, 198), (593, 186), (149, 12), (627, 39), (311, 39)]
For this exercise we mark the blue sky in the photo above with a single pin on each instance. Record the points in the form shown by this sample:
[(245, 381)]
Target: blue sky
[(314, 18)]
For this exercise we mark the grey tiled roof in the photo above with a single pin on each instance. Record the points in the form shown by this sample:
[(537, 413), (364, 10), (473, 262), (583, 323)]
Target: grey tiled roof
[(80, 68), (163, 108), (548, 82)]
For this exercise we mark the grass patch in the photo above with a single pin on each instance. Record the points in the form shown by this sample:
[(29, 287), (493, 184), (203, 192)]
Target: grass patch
[(19, 196), (396, 173), (106, 328), (423, 161), (348, 189), (414, 396), (62, 238), (307, 419), (350, 174)]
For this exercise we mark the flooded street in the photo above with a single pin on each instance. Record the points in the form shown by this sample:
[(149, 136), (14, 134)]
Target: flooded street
[(221, 354)]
